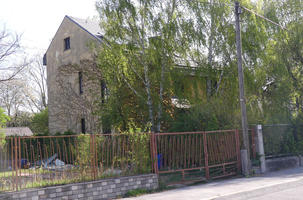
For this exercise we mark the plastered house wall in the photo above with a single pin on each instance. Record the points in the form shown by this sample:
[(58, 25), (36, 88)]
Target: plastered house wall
[(65, 110)]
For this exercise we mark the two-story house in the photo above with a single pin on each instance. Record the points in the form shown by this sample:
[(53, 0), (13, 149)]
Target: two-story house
[(73, 96), (70, 95)]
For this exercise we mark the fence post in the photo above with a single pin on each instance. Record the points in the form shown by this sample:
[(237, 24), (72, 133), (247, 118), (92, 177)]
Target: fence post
[(206, 155), (238, 150), (155, 153), (244, 161), (253, 143), (261, 148)]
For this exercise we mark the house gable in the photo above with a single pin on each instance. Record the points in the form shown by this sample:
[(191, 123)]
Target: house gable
[(69, 46)]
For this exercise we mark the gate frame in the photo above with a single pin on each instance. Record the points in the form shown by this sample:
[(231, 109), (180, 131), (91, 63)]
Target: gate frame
[(205, 149)]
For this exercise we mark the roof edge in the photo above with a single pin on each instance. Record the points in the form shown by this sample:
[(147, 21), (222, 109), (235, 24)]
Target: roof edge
[(68, 17), (83, 28), (55, 34)]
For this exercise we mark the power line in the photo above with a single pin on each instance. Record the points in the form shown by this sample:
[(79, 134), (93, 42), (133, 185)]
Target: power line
[(266, 19), (255, 13)]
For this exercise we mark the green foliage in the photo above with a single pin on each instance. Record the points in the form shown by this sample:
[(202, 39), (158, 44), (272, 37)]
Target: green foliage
[(19, 119), (203, 40), (3, 118), (136, 192), (39, 123), (83, 158), (2, 139), (139, 155), (204, 117)]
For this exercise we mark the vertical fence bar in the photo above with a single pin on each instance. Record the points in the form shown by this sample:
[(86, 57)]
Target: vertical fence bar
[(238, 151), (95, 157), (152, 153), (156, 154), (19, 160), (206, 155), (16, 163), (92, 146), (12, 162)]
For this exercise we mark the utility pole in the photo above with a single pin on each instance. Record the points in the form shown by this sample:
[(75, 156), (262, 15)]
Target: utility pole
[(246, 166)]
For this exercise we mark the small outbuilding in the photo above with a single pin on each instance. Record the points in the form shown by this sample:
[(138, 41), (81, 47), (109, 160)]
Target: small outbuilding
[(17, 131)]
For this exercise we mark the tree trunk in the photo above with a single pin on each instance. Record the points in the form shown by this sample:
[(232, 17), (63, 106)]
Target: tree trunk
[(210, 50), (160, 99)]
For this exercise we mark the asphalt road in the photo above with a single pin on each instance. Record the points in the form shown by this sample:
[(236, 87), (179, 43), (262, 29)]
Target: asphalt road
[(295, 193), (284, 184)]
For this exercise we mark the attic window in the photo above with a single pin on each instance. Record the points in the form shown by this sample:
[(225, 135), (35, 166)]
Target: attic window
[(67, 43)]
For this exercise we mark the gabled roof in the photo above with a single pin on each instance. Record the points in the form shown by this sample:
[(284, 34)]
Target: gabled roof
[(90, 26), (17, 131)]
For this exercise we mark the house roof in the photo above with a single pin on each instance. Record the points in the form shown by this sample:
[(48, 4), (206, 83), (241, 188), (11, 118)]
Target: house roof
[(17, 131), (88, 25), (92, 27)]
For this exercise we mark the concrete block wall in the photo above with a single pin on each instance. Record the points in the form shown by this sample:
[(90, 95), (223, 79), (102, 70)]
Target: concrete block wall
[(275, 164), (101, 189)]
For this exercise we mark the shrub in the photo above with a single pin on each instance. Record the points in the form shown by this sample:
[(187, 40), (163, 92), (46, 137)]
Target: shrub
[(39, 123)]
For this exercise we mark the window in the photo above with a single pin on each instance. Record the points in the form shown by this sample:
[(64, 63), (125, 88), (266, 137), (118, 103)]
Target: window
[(67, 43), (44, 60), (104, 91), (211, 87), (80, 83), (82, 125)]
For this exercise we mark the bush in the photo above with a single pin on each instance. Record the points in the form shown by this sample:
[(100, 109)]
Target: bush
[(39, 123), (201, 118), (3, 118)]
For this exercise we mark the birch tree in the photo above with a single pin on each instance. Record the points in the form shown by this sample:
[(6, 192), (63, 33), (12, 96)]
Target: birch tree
[(142, 41)]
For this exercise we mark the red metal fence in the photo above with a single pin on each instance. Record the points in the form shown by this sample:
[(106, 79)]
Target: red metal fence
[(40, 161), (48, 160), (214, 153)]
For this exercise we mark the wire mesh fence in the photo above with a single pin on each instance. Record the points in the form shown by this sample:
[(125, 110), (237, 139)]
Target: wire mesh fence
[(278, 140)]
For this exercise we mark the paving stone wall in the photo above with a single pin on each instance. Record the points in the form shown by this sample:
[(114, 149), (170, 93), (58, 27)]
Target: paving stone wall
[(101, 189)]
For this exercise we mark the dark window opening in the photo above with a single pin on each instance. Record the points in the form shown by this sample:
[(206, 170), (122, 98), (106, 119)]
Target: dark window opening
[(80, 83), (82, 125), (104, 91), (211, 87), (44, 60), (67, 43)]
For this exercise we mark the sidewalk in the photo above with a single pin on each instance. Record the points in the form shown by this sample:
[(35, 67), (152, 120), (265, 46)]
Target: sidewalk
[(235, 189)]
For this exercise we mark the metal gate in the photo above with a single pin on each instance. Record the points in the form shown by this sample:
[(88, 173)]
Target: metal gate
[(213, 154)]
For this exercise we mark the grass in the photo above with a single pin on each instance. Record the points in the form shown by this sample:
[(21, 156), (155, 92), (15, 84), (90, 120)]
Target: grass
[(136, 192), (37, 178), (8, 174), (139, 192)]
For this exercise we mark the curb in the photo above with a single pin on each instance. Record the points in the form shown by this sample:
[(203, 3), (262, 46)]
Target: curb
[(259, 192)]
